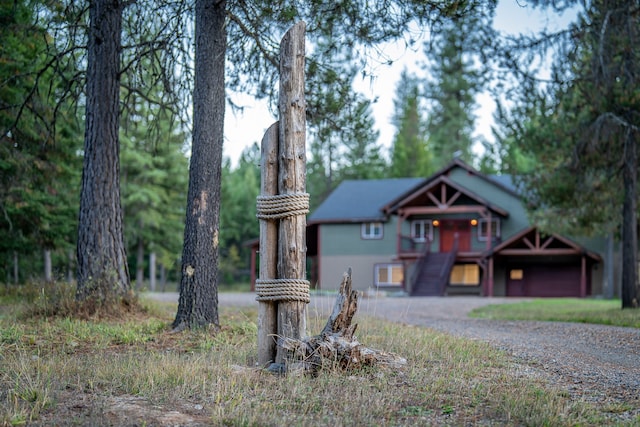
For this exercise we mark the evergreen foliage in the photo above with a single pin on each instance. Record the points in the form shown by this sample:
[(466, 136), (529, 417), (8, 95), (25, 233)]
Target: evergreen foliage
[(343, 143), (154, 188), (238, 222), (574, 140), (410, 154), (455, 70), (39, 141)]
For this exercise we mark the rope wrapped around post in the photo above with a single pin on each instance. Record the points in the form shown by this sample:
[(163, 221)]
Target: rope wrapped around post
[(283, 290), (274, 208), (282, 205)]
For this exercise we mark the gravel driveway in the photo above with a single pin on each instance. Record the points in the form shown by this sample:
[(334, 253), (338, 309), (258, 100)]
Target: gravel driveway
[(594, 362)]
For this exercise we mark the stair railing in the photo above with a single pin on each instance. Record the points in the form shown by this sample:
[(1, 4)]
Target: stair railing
[(445, 271), (421, 262)]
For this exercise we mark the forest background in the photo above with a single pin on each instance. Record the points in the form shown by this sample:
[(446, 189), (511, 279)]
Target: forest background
[(434, 117)]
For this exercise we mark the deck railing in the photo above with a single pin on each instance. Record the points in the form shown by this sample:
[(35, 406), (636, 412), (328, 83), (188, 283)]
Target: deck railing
[(408, 245)]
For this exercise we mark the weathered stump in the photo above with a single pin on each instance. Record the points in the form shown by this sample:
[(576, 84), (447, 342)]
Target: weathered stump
[(336, 347)]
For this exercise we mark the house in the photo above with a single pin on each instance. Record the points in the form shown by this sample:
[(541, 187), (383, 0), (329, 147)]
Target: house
[(456, 232)]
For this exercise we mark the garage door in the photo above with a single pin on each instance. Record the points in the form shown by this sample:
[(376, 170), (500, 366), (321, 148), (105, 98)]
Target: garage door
[(544, 281)]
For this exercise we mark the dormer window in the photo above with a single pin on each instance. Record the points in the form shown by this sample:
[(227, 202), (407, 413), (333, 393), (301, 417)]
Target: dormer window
[(371, 230)]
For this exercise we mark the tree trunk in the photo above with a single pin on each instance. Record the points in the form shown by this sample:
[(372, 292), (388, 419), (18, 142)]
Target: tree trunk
[(48, 273), (152, 271), (70, 259), (102, 260), (163, 278), (198, 303), (140, 264), (630, 289)]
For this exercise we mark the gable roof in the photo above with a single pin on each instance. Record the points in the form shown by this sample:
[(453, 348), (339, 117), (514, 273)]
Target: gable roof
[(423, 195), (373, 200), (504, 182), (361, 201), (531, 241)]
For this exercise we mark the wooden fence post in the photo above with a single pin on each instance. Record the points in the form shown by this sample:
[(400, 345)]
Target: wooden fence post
[(283, 296), (292, 247), (268, 309)]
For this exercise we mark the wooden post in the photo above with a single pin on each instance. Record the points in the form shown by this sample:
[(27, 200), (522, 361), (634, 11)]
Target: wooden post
[(282, 288), (292, 170), (267, 310)]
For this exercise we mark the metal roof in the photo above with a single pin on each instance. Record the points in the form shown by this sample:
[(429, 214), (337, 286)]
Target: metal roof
[(357, 201)]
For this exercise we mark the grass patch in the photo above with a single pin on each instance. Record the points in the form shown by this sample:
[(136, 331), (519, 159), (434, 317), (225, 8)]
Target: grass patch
[(577, 310), (67, 371)]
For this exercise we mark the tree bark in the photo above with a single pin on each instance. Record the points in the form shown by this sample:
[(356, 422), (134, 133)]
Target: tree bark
[(102, 260), (630, 289), (198, 303)]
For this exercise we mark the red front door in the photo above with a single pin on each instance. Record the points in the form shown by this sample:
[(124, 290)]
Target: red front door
[(448, 231)]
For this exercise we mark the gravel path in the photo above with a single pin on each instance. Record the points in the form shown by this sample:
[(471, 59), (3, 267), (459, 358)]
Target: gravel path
[(593, 362)]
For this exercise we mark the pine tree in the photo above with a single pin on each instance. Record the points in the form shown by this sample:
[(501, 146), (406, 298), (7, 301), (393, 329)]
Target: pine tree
[(582, 130), (410, 154), (38, 145), (454, 72), (154, 186)]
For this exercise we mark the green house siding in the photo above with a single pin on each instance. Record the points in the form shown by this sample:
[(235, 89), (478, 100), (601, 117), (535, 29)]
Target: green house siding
[(345, 239), (363, 266)]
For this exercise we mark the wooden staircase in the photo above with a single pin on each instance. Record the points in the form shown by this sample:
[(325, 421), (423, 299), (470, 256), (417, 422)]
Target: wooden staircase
[(433, 276), (433, 271)]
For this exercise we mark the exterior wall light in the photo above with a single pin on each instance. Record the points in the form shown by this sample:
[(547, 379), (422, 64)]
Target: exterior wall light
[(474, 222), (436, 223)]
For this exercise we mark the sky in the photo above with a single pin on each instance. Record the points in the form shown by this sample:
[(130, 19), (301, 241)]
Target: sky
[(512, 16)]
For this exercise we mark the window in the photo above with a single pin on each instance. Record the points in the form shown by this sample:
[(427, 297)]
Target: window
[(421, 230), (371, 230), (483, 226), (516, 274), (465, 274), (389, 274)]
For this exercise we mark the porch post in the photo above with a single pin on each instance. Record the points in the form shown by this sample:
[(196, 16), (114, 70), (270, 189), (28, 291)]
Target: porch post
[(490, 284), (489, 231), (399, 232), (583, 277)]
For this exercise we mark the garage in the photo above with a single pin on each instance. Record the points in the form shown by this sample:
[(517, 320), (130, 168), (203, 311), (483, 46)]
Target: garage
[(544, 280)]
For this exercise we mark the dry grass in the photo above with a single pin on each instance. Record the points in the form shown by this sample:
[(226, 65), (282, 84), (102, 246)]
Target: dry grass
[(66, 371)]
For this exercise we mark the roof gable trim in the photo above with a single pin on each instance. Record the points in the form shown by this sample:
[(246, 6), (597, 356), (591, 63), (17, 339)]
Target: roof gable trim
[(437, 192)]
